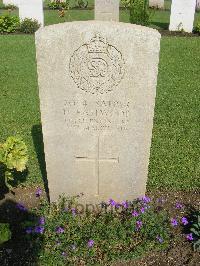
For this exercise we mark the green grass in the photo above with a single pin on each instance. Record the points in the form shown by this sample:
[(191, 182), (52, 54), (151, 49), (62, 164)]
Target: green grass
[(176, 136), (19, 104), (174, 160), (159, 19), (174, 157)]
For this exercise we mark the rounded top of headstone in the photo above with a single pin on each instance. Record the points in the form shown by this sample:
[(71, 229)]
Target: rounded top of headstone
[(60, 29)]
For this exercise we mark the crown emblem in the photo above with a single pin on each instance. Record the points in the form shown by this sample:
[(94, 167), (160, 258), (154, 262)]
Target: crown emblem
[(97, 44)]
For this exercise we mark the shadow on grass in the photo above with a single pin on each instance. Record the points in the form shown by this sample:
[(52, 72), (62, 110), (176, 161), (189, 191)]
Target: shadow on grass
[(39, 148), (160, 25), (19, 250)]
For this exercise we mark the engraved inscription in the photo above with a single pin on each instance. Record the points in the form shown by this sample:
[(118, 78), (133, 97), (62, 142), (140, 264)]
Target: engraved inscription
[(97, 67), (97, 115)]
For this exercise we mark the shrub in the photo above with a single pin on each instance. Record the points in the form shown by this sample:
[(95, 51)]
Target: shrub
[(82, 3), (59, 5), (9, 6), (197, 28), (139, 12), (69, 236), (13, 156), (195, 231), (125, 3), (9, 24), (29, 25)]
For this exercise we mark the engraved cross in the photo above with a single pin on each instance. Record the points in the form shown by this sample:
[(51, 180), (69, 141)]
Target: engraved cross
[(97, 159)]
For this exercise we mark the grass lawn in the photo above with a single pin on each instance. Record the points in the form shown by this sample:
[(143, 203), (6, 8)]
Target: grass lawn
[(174, 167), (159, 18), (174, 159)]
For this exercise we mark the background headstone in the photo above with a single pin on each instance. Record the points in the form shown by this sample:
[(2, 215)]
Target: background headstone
[(11, 2), (198, 5), (182, 15), (97, 87), (107, 10), (31, 9), (157, 4)]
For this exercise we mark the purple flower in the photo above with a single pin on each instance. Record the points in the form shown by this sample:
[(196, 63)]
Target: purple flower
[(117, 205), (39, 229), (112, 202), (135, 214), (21, 207), (142, 210), (174, 222), (189, 237), (42, 220), (125, 204), (38, 192), (29, 230), (184, 221), (64, 254), (90, 243), (138, 225), (73, 211), (60, 230), (179, 205), (145, 199), (159, 239)]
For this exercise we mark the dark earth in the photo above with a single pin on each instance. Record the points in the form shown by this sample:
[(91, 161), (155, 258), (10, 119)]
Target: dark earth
[(19, 251)]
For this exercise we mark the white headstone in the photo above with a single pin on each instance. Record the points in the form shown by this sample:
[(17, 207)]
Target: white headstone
[(182, 15), (97, 87), (11, 2), (31, 9), (157, 4), (107, 10)]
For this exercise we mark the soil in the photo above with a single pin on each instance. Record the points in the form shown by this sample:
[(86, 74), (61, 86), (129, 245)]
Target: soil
[(19, 251)]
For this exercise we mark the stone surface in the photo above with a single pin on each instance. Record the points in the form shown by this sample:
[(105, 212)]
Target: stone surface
[(31, 9), (11, 2), (157, 4), (107, 10), (198, 5), (182, 15), (97, 86)]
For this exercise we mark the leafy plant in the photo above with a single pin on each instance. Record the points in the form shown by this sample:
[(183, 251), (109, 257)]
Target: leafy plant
[(59, 5), (29, 25), (70, 235), (195, 229), (197, 28), (13, 156), (9, 23), (5, 233), (82, 3), (125, 3), (9, 6), (139, 12)]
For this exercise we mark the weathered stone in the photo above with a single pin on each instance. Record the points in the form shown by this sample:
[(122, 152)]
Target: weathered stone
[(107, 10), (182, 15), (31, 9), (157, 4), (198, 5), (97, 86)]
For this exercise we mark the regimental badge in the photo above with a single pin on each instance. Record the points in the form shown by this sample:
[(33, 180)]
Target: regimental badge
[(97, 67)]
